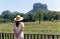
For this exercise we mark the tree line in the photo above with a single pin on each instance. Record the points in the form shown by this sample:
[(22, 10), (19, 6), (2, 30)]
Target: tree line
[(39, 15)]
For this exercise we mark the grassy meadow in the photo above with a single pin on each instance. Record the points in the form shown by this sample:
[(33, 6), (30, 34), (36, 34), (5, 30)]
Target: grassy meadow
[(46, 27)]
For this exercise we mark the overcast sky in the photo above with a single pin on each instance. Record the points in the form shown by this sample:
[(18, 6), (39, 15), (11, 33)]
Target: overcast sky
[(24, 6)]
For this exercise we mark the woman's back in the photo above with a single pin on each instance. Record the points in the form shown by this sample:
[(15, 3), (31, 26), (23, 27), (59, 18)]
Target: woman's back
[(21, 24)]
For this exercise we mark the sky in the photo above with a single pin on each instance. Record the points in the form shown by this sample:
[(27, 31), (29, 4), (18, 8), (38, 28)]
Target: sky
[(23, 6)]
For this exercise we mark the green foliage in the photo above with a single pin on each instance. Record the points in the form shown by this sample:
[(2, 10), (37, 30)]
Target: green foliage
[(36, 16), (46, 27), (6, 14), (40, 14), (5, 20)]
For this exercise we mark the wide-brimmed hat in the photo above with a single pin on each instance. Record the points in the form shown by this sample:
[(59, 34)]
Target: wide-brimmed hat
[(18, 18)]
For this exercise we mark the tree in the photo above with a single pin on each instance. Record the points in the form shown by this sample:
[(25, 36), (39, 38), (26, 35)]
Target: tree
[(40, 15), (35, 16), (30, 17), (6, 14), (45, 18)]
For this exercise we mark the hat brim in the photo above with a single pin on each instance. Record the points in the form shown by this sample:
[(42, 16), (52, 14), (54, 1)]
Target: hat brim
[(19, 19)]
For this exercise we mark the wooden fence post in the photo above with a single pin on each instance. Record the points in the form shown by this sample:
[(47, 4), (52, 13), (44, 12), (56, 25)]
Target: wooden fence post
[(2, 35), (48, 36), (52, 36)]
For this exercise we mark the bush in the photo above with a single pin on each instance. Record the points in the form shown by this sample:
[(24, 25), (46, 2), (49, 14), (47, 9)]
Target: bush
[(5, 20)]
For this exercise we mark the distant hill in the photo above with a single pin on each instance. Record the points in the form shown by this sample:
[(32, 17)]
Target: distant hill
[(36, 6), (15, 12)]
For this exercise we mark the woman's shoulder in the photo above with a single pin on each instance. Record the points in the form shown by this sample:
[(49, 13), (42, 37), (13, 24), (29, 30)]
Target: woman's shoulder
[(21, 23)]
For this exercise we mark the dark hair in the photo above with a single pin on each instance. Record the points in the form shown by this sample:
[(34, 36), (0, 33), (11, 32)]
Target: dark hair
[(17, 23)]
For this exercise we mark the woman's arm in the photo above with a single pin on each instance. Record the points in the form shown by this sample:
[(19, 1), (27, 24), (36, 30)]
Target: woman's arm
[(15, 33), (22, 29)]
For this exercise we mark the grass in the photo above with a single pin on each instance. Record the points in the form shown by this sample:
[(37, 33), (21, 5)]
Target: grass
[(46, 27)]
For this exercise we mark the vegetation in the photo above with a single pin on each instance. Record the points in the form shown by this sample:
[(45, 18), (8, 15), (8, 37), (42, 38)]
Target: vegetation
[(47, 27), (50, 23), (40, 14), (8, 16)]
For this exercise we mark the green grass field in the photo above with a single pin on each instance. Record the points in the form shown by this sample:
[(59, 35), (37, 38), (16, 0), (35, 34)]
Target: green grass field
[(34, 27)]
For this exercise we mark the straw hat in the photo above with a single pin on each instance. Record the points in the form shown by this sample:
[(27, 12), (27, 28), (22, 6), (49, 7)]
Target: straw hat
[(18, 18)]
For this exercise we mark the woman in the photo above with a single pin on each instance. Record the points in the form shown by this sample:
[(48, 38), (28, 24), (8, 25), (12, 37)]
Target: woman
[(18, 28)]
